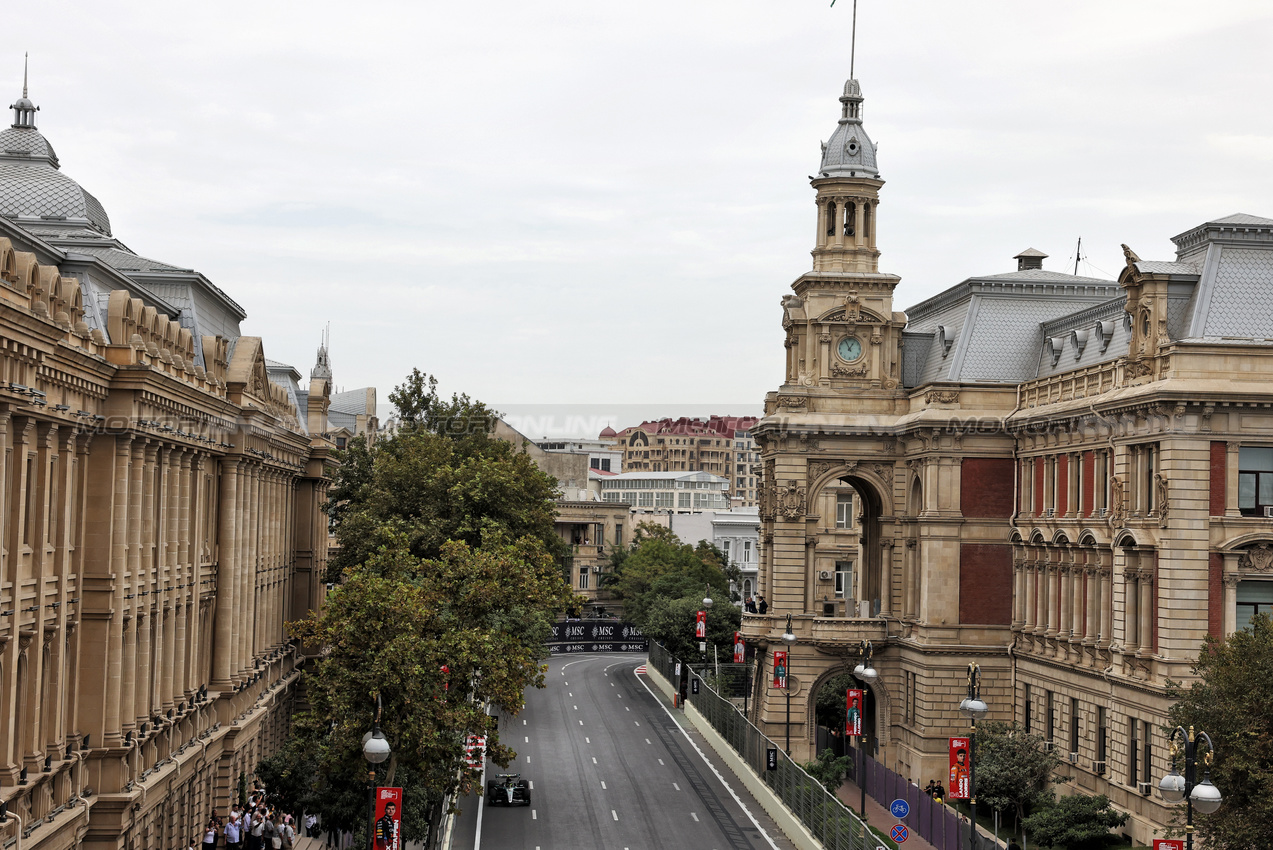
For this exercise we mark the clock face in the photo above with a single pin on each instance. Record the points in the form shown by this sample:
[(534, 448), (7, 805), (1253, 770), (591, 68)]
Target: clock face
[(850, 348)]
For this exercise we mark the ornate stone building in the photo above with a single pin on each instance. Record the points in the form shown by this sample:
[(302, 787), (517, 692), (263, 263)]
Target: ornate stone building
[(159, 522), (1066, 480)]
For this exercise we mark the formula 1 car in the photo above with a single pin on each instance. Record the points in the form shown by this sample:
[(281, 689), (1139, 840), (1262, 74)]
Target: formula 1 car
[(508, 789)]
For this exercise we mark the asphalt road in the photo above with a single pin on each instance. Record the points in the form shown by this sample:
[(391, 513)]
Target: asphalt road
[(610, 767)]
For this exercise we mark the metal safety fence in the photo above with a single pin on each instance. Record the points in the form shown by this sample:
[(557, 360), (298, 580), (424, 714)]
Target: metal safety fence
[(821, 812)]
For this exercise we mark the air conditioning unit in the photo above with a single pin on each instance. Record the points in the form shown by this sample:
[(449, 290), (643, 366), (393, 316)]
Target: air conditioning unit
[(1099, 767), (1074, 758), (1268, 511), (824, 575), (1048, 746), (1145, 788), (596, 569)]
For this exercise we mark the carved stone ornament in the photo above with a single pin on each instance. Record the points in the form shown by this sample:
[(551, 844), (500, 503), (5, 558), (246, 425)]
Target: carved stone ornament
[(1259, 558), (942, 396), (791, 500), (1118, 502), (1138, 368), (1162, 494), (825, 339), (819, 468), (792, 402), (838, 371)]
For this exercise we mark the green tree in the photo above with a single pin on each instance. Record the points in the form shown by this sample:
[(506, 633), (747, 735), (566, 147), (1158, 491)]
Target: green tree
[(829, 705), (829, 770), (1076, 822), (390, 629), (1014, 772), (441, 477), (1230, 701)]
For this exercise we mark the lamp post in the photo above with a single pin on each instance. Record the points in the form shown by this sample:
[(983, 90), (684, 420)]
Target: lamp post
[(865, 673), (375, 749), (973, 707), (789, 638), (1176, 789), (707, 606)]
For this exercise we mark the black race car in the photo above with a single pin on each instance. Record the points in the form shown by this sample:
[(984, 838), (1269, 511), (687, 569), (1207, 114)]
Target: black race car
[(508, 789)]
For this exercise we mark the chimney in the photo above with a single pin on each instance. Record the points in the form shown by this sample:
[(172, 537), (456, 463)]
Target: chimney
[(1030, 259)]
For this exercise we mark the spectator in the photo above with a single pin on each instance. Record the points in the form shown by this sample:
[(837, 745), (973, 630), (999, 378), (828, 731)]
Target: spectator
[(311, 825), (762, 606), (233, 833), (750, 605), (210, 835)]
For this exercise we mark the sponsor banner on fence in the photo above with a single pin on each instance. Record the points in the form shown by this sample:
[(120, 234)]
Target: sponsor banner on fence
[(780, 668), (571, 648), (388, 819), (959, 768), (853, 712), (574, 636)]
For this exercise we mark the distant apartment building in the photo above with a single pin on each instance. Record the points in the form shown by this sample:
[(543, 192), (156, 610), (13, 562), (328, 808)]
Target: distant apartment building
[(667, 492), (603, 455), (737, 534), (720, 445)]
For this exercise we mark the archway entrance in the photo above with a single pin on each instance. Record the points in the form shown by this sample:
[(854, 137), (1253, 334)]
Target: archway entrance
[(830, 714), (848, 578)]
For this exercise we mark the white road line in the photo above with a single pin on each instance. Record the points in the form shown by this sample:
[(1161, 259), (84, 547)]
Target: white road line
[(531, 786), (594, 759), (576, 708), (625, 708), (614, 814), (523, 722), (677, 787), (570, 695), (580, 722), (587, 740), (603, 786), (701, 755), (661, 762), (534, 815), (637, 722), (528, 739), (528, 759), (694, 816), (647, 740), (620, 696), (481, 800)]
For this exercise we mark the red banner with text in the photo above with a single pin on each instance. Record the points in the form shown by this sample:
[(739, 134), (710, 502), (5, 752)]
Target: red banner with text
[(960, 769), (700, 627), (853, 716), (1169, 844), (780, 668), (388, 819), (740, 648)]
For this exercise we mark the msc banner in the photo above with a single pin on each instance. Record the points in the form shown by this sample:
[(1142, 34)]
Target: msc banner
[(853, 715), (959, 769), (780, 668), (700, 625), (596, 636), (388, 819)]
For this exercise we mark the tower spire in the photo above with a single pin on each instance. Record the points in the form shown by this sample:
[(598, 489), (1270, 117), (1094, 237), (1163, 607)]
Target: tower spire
[(26, 62), (24, 110)]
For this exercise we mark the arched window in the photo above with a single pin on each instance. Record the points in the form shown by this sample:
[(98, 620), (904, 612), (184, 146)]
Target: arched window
[(850, 215), (866, 221), (831, 218)]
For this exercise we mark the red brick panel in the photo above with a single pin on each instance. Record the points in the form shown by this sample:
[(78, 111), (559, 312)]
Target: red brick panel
[(1219, 474), (985, 584), (1215, 595), (1038, 486), (986, 487), (1086, 502), (1062, 485)]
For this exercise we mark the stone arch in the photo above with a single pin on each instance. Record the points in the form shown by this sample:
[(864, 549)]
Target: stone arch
[(1060, 538), (1125, 540), (875, 566), (1037, 538), (915, 496), (27, 272), (1242, 541), (121, 316), (8, 262), (1087, 538), (878, 694)]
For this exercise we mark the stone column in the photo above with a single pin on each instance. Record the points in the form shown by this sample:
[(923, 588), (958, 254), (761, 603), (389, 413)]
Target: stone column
[(1131, 606), (1106, 603), (859, 238), (1031, 594), (821, 237), (1092, 627), (1231, 581), (227, 567), (1064, 573), (1146, 607)]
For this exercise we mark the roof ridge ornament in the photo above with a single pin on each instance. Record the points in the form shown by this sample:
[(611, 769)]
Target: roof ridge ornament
[(23, 109)]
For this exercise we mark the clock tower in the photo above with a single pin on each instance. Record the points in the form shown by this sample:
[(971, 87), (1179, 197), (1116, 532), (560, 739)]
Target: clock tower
[(841, 331)]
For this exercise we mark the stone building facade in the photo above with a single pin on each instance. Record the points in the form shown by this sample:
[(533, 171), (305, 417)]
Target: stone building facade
[(721, 445), (1060, 478), (160, 521)]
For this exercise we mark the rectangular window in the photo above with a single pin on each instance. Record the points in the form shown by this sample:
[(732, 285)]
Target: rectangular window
[(630, 498), (1101, 733), (583, 578), (594, 463), (1133, 751), (1147, 757), (843, 578), (1255, 480), (663, 500), (844, 510), (684, 500), (1029, 710), (618, 534), (1254, 597), (610, 496), (645, 499), (1051, 721), (725, 549), (1074, 725), (29, 519), (746, 551)]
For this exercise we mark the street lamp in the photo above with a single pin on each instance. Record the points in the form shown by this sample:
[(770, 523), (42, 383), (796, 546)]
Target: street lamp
[(789, 638), (1176, 789), (707, 606), (865, 672), (375, 749), (972, 707)]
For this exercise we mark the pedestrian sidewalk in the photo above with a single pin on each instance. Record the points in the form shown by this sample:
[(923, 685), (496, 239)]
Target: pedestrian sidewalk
[(878, 816)]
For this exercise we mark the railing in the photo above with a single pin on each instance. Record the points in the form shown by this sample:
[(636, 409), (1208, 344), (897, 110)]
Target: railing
[(1078, 384), (822, 813)]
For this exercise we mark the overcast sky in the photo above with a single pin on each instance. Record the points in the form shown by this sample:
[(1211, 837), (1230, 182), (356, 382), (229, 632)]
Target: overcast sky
[(569, 203)]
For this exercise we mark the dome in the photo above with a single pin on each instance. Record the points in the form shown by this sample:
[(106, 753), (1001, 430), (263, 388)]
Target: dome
[(608, 432), (33, 187), (850, 151)]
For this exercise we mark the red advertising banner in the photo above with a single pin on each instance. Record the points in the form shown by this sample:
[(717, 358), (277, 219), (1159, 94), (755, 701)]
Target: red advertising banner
[(780, 668), (740, 648), (1169, 844), (853, 717), (700, 627), (960, 768), (388, 819)]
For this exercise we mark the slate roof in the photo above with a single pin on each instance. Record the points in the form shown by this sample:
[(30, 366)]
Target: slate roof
[(849, 151)]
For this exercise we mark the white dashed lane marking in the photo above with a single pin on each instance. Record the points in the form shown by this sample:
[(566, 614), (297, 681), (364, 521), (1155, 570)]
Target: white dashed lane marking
[(603, 786), (587, 740), (677, 787), (534, 815), (661, 762), (647, 740), (694, 816), (614, 814), (594, 759)]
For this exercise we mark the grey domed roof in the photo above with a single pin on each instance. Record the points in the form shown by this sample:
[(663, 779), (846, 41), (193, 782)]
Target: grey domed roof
[(33, 187), (849, 152), (25, 144)]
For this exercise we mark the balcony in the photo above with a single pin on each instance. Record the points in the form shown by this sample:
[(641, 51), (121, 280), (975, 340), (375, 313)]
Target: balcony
[(825, 632)]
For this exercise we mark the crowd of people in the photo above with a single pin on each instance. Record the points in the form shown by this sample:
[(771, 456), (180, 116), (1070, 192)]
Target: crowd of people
[(935, 790), (257, 826), (756, 606)]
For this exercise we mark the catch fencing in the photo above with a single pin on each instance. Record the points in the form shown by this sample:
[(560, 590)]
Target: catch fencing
[(822, 813)]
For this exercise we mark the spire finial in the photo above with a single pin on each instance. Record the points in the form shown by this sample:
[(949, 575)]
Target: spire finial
[(26, 61), (853, 40)]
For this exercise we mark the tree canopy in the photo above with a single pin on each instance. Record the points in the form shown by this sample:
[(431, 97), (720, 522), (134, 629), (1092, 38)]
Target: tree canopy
[(1075, 822), (1230, 701), (662, 582), (1014, 771)]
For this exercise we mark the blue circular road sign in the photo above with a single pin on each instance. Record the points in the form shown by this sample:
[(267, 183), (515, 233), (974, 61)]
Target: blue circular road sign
[(900, 833), (900, 808)]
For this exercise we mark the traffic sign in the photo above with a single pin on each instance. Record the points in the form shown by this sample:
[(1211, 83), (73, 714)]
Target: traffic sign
[(899, 833), (900, 808)]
